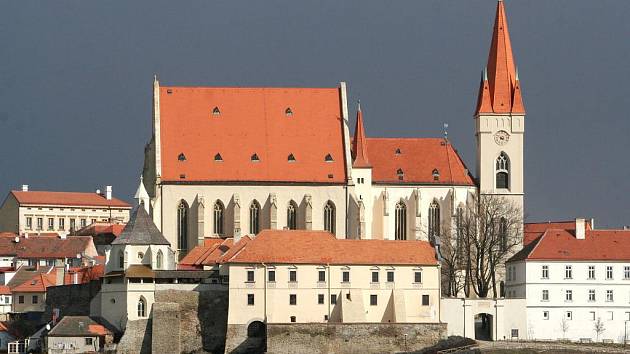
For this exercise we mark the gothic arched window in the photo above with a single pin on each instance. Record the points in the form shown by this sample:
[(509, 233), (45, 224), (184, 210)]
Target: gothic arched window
[(159, 260), (254, 218), (219, 211), (292, 216), (401, 221), (182, 226), (329, 217), (142, 307), (434, 220), (503, 171)]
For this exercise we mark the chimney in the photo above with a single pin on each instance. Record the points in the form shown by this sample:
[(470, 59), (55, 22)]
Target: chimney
[(59, 275), (108, 192), (580, 228), (25, 188), (63, 235), (98, 191)]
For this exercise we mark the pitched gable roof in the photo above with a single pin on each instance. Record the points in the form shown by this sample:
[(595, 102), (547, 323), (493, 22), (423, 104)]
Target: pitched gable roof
[(250, 121), (67, 198), (140, 230), (321, 247), (37, 284), (46, 246), (78, 326)]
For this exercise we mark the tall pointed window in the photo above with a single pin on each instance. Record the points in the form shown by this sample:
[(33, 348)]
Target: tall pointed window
[(142, 307), (182, 226), (503, 171), (329, 217), (459, 237), (159, 260), (254, 218), (219, 211), (434, 220), (401, 221), (503, 234), (292, 216)]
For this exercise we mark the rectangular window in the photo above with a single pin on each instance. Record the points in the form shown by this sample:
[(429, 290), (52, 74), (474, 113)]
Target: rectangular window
[(417, 277), (626, 272), (29, 223), (345, 276), (40, 223), (51, 223), (545, 295), (373, 300), (292, 299), (250, 299), (568, 272), (374, 277), (545, 272), (568, 296), (293, 276), (591, 295), (591, 315), (545, 315), (35, 299), (591, 272), (62, 224), (390, 276), (609, 296), (83, 223), (93, 220), (333, 299), (293, 319), (73, 224), (569, 315), (609, 272), (89, 341), (21, 299), (610, 315), (627, 316), (425, 300), (320, 299), (271, 276), (322, 276), (250, 276)]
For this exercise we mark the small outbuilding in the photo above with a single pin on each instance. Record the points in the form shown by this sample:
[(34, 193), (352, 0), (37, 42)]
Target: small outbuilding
[(81, 334)]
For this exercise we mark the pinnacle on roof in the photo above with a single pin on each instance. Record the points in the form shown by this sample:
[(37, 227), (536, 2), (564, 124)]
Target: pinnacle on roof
[(500, 91), (141, 192), (359, 144), (140, 230)]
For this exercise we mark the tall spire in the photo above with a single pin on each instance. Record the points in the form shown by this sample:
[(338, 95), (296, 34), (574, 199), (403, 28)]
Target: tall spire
[(501, 77), (359, 144)]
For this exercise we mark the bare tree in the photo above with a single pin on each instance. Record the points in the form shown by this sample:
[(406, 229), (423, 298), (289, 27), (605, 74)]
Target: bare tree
[(564, 327), (599, 327), (451, 260), (491, 231)]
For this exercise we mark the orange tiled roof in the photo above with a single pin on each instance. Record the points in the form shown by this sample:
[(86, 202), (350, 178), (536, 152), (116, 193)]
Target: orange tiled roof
[(101, 228), (534, 230), (500, 91), (321, 247), (559, 244), (417, 160), (5, 290), (67, 198), (44, 246), (37, 284), (212, 253), (251, 121)]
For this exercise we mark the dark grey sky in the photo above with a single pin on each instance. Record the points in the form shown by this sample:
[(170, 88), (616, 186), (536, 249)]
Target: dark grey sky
[(75, 82)]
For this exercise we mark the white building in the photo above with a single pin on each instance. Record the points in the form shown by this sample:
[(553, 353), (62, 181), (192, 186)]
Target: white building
[(573, 276), (28, 211), (310, 276)]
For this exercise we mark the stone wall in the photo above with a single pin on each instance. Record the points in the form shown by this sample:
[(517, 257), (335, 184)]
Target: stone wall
[(340, 338), (71, 300), (166, 328), (137, 338)]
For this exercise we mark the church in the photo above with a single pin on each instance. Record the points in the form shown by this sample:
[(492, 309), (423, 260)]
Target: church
[(231, 161)]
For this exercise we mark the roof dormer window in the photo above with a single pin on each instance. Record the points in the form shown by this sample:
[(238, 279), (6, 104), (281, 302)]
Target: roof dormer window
[(400, 173), (216, 111), (255, 158), (291, 158), (328, 158), (397, 152), (181, 157), (436, 174), (288, 112), (218, 158)]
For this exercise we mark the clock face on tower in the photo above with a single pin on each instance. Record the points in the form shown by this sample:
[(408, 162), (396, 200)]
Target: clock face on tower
[(501, 137)]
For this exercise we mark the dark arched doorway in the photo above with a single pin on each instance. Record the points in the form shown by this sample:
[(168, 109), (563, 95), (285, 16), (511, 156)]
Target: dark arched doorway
[(483, 326), (256, 342)]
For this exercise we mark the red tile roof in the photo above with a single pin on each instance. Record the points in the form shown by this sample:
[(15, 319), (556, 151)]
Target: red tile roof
[(212, 253), (67, 198), (46, 246), (500, 90), (5, 290), (417, 160), (37, 284), (321, 247), (101, 228), (359, 144), (536, 229), (561, 244), (251, 121)]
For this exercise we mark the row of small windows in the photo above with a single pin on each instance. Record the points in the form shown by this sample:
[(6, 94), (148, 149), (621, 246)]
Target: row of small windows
[(568, 272), (401, 174), (568, 295), (333, 300), (568, 315), (321, 276), (254, 158), (61, 223), (216, 111)]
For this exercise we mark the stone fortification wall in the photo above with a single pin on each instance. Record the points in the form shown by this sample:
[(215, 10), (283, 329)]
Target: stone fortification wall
[(137, 338), (71, 300), (341, 338)]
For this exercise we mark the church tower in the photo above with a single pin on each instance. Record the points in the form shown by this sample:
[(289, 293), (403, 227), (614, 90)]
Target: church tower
[(500, 119)]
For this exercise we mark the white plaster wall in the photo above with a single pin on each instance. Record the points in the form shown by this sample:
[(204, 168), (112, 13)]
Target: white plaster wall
[(307, 288)]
